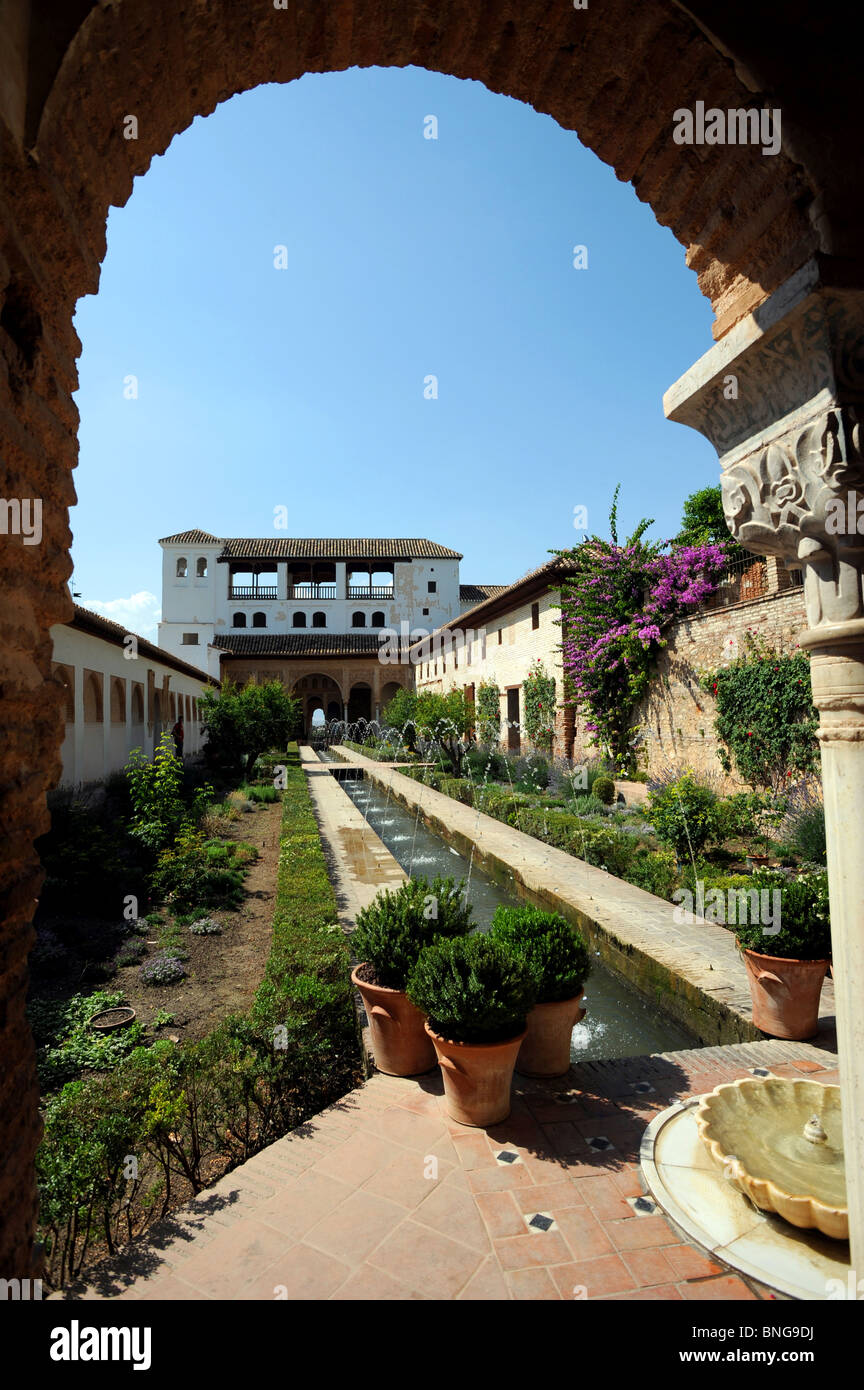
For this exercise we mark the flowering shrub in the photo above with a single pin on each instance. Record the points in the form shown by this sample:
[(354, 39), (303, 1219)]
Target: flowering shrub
[(538, 690), (161, 970), (615, 602), (205, 926)]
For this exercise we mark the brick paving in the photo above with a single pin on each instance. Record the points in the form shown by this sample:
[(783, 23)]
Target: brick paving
[(382, 1196)]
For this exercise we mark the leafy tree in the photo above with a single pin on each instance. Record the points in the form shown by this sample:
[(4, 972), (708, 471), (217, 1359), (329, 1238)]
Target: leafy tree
[(400, 714), (244, 721), (439, 719), (445, 720), (703, 522)]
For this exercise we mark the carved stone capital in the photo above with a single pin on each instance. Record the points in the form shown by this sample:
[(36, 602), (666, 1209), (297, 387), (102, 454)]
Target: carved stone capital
[(782, 400)]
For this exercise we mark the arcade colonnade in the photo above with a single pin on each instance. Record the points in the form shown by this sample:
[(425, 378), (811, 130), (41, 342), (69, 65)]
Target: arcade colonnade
[(89, 92)]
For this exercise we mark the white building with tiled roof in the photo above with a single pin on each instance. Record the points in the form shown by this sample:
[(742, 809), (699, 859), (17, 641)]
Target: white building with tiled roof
[(304, 608)]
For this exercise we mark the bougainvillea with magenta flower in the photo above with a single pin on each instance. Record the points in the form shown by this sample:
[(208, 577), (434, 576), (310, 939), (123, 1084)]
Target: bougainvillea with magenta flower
[(616, 601)]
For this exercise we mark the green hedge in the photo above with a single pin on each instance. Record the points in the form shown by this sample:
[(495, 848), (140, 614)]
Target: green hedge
[(190, 1112)]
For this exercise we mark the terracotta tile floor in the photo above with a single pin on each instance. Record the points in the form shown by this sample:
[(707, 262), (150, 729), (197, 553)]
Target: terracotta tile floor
[(383, 1197)]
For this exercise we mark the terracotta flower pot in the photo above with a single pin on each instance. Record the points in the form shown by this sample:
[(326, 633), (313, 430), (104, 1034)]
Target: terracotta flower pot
[(546, 1049), (400, 1044), (477, 1078), (785, 994)]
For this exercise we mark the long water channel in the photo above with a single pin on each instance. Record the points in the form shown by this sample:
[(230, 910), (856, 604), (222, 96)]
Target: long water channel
[(618, 1022)]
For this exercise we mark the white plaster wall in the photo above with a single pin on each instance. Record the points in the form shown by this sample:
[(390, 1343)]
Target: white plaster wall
[(505, 662), (92, 751)]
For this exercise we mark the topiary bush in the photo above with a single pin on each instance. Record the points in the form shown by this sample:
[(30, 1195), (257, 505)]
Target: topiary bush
[(805, 930), (555, 952), (683, 814), (472, 989), (604, 790), (161, 970), (393, 930)]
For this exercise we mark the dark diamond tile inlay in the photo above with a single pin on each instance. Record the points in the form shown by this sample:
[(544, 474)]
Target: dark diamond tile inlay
[(600, 1143), (506, 1156), (541, 1222), (643, 1205)]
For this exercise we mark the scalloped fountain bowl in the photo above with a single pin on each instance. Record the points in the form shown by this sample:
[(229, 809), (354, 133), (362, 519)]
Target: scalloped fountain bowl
[(780, 1142)]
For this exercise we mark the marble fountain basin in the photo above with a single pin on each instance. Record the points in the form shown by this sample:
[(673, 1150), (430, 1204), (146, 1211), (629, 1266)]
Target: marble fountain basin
[(780, 1142)]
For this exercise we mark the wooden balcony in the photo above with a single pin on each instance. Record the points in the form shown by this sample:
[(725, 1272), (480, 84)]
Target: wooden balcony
[(251, 591), (307, 591), (368, 591)]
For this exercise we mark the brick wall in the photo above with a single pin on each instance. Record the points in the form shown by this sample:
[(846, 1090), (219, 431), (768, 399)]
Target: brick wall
[(677, 717)]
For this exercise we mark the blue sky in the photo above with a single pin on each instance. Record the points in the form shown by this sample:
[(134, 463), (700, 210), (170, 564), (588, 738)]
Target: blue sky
[(406, 257)]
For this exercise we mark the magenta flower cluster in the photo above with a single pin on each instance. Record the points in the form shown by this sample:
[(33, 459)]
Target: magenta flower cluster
[(614, 609)]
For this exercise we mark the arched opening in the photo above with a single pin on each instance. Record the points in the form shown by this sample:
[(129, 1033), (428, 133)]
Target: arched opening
[(360, 701), (201, 567), (378, 619), (238, 620), (298, 620), (182, 567), (749, 226), (358, 619), (319, 619), (259, 619)]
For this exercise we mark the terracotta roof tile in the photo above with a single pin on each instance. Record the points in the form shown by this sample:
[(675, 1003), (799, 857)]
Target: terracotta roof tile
[(298, 643), (333, 548)]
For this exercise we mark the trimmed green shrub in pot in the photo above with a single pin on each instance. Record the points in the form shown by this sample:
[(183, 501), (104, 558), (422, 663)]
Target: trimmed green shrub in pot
[(477, 995), (786, 951), (558, 959), (555, 952), (390, 934), (393, 930), (472, 989)]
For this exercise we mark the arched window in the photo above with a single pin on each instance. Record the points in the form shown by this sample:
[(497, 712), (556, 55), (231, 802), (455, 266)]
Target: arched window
[(181, 567), (358, 619), (118, 700), (259, 619), (137, 703), (92, 697), (377, 620), (201, 567), (319, 619), (238, 620), (298, 620)]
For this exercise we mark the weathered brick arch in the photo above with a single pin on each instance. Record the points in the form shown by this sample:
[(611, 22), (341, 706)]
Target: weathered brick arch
[(615, 73)]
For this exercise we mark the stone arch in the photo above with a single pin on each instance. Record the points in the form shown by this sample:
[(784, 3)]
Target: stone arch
[(748, 222)]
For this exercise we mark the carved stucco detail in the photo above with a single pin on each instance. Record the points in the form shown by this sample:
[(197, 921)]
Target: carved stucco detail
[(775, 504)]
